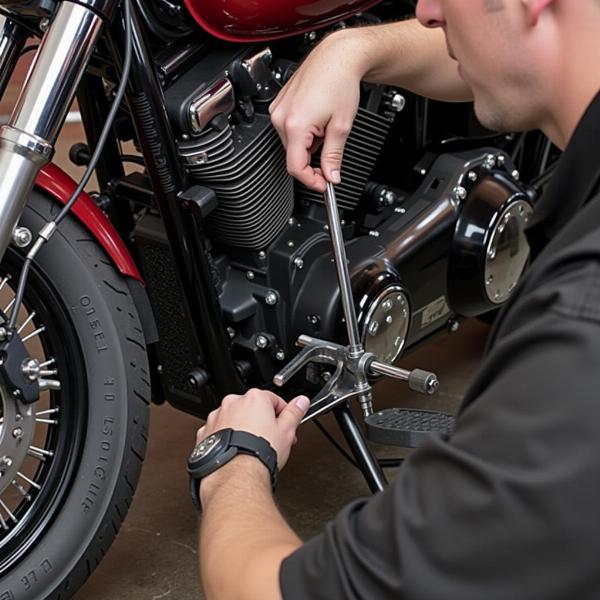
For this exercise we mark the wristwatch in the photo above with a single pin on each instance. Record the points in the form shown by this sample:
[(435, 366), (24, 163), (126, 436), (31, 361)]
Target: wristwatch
[(219, 448)]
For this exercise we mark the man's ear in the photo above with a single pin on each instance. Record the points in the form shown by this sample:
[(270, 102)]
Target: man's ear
[(535, 8)]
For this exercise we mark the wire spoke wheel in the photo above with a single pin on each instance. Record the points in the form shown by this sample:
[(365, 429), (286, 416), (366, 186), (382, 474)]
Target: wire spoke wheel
[(70, 461)]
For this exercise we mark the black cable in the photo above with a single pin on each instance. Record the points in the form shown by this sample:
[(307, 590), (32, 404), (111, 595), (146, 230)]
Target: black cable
[(335, 443), (12, 17), (132, 158), (91, 166)]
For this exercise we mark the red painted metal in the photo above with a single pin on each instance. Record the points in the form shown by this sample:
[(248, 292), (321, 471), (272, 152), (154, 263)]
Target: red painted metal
[(265, 20), (59, 185)]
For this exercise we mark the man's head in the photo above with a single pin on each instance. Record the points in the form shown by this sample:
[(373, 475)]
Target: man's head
[(530, 63)]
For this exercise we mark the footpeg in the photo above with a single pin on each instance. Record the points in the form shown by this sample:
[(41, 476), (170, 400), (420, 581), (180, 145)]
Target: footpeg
[(406, 427)]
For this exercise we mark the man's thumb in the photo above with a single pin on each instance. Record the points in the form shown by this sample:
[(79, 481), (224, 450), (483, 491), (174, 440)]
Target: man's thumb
[(295, 410), (333, 151)]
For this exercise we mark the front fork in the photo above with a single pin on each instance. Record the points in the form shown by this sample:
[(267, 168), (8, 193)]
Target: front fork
[(27, 141)]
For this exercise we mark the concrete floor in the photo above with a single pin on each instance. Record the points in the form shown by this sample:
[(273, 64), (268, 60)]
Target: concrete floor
[(154, 555)]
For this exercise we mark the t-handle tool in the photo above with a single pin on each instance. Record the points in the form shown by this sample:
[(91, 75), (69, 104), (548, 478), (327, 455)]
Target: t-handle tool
[(352, 364)]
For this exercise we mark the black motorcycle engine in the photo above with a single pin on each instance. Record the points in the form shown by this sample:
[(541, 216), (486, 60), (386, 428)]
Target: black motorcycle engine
[(452, 247)]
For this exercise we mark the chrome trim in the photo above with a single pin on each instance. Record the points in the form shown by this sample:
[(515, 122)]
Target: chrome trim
[(218, 99), (30, 146), (253, 63)]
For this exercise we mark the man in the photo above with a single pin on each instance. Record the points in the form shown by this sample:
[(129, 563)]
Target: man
[(509, 506)]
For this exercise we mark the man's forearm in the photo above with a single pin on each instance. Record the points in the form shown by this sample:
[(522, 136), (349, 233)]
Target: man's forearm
[(243, 537), (408, 55)]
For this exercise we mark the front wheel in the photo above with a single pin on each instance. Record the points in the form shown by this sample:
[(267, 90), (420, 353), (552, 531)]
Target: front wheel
[(70, 462)]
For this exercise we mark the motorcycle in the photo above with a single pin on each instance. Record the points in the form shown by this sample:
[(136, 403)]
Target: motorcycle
[(199, 263)]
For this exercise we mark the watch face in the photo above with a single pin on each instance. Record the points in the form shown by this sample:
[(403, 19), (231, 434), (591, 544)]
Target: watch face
[(205, 447)]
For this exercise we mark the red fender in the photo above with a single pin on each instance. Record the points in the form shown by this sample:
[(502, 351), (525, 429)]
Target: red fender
[(53, 180)]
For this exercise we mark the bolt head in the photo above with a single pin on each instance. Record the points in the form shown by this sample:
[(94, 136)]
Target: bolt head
[(387, 305), (22, 237), (516, 175), (400, 210), (271, 298), (460, 192), (250, 275), (262, 341), (326, 376), (398, 102), (374, 328), (472, 176), (298, 263), (313, 319), (262, 255), (454, 325), (374, 233), (280, 355), (389, 319), (231, 332)]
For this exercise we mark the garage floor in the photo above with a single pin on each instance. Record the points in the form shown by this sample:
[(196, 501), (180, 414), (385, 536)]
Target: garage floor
[(154, 555)]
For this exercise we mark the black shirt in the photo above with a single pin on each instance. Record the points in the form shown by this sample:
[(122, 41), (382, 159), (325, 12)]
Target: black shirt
[(508, 507)]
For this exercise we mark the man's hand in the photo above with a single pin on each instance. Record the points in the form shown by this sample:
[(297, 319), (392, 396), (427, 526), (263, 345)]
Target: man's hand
[(261, 413), (318, 106)]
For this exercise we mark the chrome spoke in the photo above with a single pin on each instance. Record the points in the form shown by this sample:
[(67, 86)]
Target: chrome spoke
[(50, 411), (48, 363), (39, 453), (9, 305), (34, 333), (37, 486), (49, 384), (8, 512), (47, 421), (4, 281), (26, 322), (48, 372), (21, 490)]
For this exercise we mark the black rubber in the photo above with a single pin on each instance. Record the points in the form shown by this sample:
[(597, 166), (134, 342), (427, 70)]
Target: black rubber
[(107, 464), (405, 427)]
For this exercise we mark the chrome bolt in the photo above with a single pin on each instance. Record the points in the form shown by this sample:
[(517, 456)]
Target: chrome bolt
[(298, 263), (280, 355), (5, 463), (44, 24), (22, 237), (326, 376), (472, 176), (400, 210), (397, 102), (262, 341), (31, 368), (516, 175), (262, 255), (313, 319), (159, 369), (387, 305), (374, 233), (490, 161), (290, 244), (291, 221), (453, 325), (231, 332), (250, 275), (17, 433), (389, 320), (492, 253), (490, 280), (423, 172), (185, 137), (3, 333), (501, 159), (271, 298), (373, 328), (311, 36), (460, 193), (258, 87)]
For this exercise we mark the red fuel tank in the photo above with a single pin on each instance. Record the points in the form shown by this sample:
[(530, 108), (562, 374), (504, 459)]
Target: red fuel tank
[(264, 20)]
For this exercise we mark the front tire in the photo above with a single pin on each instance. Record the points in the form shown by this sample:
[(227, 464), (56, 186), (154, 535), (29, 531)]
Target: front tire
[(90, 437)]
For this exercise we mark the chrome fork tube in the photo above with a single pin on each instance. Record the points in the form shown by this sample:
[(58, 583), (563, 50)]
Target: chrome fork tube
[(27, 142)]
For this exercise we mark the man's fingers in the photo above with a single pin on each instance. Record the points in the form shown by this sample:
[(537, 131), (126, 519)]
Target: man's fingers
[(336, 135), (294, 412), (200, 434), (298, 165)]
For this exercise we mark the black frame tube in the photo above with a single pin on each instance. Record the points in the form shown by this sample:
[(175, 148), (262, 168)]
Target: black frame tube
[(366, 460), (184, 230), (16, 36)]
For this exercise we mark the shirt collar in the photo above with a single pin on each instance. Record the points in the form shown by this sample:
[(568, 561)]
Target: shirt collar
[(575, 180)]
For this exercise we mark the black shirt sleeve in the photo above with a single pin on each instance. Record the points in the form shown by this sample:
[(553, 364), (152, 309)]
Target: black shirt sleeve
[(509, 506)]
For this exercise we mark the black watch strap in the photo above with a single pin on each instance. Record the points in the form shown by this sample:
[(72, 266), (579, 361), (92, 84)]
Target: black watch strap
[(254, 445)]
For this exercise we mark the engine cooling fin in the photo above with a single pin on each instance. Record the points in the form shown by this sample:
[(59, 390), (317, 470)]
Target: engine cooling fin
[(364, 145), (246, 167)]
